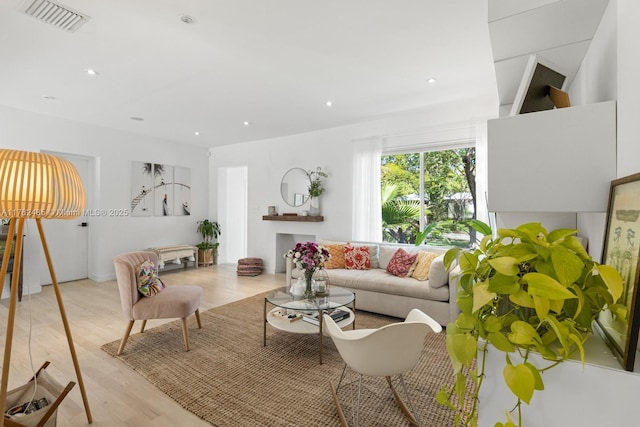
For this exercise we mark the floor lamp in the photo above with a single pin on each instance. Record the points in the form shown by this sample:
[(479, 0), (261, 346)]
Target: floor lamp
[(36, 186)]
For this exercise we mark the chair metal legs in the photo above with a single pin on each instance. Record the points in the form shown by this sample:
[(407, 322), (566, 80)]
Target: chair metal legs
[(408, 410), (334, 393)]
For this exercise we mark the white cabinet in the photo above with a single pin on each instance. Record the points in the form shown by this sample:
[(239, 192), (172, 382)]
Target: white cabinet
[(600, 393), (552, 161)]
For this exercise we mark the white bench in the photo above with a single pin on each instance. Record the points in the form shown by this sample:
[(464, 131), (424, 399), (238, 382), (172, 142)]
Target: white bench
[(176, 254)]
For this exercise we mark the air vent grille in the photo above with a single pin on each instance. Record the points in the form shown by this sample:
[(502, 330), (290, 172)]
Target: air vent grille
[(55, 14)]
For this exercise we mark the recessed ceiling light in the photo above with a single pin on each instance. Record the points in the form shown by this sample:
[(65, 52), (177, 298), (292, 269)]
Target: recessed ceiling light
[(91, 72), (431, 80), (196, 133), (328, 103), (186, 19), (137, 119), (246, 123)]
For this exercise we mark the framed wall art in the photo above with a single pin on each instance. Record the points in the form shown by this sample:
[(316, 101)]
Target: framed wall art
[(620, 322), (141, 189), (160, 190)]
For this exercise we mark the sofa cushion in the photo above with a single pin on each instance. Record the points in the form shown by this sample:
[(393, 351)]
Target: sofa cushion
[(357, 258), (336, 255), (385, 253), (438, 275), (423, 265), (378, 280), (401, 262)]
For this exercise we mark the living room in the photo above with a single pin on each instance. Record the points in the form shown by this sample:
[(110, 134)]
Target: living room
[(608, 73)]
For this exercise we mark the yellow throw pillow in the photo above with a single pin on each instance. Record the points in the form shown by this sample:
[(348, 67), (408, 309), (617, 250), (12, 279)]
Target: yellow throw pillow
[(423, 265), (336, 256)]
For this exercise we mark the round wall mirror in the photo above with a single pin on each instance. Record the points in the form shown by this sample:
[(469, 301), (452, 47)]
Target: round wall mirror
[(295, 187)]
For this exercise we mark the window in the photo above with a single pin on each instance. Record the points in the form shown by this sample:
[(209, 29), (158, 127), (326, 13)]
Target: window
[(433, 190)]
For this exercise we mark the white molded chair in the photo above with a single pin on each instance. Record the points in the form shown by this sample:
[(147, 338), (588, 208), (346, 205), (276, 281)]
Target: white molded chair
[(390, 350), (173, 302)]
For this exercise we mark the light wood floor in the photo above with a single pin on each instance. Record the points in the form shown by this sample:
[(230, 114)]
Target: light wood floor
[(117, 395)]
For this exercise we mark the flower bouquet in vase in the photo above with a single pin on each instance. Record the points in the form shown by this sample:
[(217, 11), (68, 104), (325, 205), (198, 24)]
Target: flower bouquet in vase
[(308, 257)]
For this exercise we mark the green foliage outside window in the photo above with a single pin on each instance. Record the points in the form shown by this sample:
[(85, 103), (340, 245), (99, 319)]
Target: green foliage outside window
[(448, 199)]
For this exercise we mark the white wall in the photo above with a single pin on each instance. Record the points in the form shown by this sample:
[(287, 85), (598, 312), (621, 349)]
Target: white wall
[(113, 152), (596, 80), (628, 87), (332, 149)]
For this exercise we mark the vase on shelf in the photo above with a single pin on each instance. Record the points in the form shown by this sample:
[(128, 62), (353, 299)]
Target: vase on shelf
[(308, 278), (314, 206)]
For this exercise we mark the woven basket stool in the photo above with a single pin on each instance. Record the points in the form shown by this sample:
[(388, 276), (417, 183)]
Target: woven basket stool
[(249, 267)]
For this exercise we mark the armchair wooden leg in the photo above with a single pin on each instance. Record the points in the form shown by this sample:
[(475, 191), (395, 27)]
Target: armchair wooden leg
[(144, 323), (185, 334), (198, 318), (123, 342)]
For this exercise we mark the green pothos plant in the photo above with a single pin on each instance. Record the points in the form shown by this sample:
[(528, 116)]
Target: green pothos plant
[(526, 290)]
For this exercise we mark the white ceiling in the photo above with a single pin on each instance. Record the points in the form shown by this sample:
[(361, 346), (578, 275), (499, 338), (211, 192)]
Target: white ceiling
[(274, 63)]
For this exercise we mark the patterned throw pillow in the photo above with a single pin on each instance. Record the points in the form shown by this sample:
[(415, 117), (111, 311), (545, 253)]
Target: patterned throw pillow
[(357, 258), (423, 265), (148, 282), (336, 256), (400, 263)]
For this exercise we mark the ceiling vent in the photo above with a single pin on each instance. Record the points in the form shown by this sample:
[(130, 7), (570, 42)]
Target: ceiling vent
[(55, 14)]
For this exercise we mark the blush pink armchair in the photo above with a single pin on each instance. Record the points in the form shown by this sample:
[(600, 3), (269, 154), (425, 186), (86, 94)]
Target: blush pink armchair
[(173, 302)]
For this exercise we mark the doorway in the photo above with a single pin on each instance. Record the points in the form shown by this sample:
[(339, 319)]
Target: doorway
[(68, 240), (232, 213)]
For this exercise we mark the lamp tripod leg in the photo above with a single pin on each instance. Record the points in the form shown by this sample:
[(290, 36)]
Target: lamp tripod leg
[(12, 304), (65, 322)]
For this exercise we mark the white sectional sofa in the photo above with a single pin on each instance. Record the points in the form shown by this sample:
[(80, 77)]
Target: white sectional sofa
[(381, 292)]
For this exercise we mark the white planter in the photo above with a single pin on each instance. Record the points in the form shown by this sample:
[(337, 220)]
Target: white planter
[(314, 206)]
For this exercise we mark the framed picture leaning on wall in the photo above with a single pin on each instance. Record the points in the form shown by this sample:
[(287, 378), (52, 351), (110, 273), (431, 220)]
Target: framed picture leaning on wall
[(620, 322)]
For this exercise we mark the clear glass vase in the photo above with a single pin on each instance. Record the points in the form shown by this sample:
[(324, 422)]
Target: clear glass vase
[(308, 278)]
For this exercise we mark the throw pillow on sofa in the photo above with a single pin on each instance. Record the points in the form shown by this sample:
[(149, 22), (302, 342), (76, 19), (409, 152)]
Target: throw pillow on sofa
[(438, 275), (147, 281), (357, 258), (336, 256), (373, 254), (401, 263), (423, 265)]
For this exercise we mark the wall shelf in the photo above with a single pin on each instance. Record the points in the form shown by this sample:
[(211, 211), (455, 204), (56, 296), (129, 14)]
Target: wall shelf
[(298, 218)]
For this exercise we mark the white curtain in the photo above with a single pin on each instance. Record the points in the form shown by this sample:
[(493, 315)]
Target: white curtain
[(367, 209)]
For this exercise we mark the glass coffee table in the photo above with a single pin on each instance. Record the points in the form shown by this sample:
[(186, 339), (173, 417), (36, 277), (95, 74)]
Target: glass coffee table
[(287, 304)]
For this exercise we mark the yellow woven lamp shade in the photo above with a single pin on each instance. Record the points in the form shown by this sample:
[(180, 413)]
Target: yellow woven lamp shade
[(36, 185)]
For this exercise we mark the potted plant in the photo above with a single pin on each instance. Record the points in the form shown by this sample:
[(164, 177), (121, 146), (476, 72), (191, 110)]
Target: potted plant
[(315, 190), (525, 291), (208, 248)]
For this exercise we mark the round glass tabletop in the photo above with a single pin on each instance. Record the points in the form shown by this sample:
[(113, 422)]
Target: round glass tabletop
[(336, 297)]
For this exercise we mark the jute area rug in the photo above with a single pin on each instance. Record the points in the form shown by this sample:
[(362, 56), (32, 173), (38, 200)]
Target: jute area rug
[(229, 378)]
